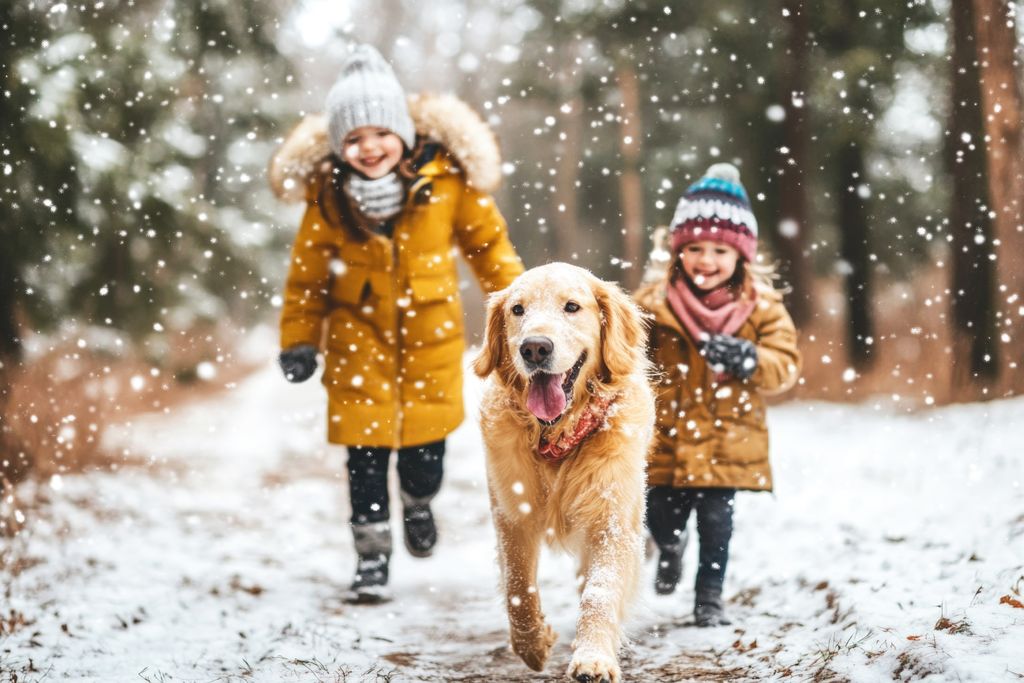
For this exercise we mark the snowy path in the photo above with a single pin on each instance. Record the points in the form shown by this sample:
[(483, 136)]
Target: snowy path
[(225, 561)]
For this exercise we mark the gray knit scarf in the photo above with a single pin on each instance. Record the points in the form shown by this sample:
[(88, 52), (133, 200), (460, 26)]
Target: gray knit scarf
[(378, 199)]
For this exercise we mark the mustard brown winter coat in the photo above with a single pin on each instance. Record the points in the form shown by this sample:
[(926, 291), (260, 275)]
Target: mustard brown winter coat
[(393, 342), (711, 432)]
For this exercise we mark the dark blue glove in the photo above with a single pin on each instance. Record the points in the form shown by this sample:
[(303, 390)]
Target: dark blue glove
[(298, 363), (732, 355)]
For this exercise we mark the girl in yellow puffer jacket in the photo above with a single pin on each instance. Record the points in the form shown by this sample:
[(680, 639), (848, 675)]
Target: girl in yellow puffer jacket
[(392, 184), (721, 339)]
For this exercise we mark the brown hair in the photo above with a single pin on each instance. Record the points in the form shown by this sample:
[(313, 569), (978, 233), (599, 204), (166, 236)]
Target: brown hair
[(336, 205), (407, 165), (761, 275)]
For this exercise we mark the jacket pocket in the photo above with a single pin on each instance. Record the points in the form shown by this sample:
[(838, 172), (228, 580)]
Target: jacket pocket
[(434, 316), (743, 442), (349, 284), (434, 287), (432, 277)]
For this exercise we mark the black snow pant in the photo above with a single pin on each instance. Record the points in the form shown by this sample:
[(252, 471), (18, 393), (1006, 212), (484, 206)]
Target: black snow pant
[(420, 469), (668, 510)]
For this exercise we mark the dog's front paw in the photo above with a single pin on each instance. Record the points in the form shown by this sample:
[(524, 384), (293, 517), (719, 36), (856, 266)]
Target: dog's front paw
[(534, 645), (590, 666)]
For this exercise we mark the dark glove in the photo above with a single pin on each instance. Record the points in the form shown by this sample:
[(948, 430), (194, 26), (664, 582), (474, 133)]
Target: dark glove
[(298, 363), (734, 356)]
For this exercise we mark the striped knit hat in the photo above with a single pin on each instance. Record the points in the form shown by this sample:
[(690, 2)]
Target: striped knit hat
[(716, 208)]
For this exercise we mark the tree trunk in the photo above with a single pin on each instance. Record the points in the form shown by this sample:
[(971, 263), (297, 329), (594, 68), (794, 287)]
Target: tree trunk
[(14, 461), (973, 277), (10, 341), (10, 352), (630, 188), (855, 250), (995, 44), (567, 236), (793, 228), (12, 138)]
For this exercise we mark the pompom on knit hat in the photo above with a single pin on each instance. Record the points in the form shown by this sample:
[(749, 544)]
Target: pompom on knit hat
[(367, 93), (716, 208)]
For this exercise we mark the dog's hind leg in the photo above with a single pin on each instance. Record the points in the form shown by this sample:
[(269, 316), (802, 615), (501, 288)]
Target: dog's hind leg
[(519, 550)]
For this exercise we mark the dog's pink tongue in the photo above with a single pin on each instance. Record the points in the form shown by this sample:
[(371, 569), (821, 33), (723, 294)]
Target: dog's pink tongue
[(546, 399)]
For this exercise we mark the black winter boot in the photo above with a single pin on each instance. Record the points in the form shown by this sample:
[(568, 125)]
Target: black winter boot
[(670, 568), (373, 548), (420, 530), (709, 609)]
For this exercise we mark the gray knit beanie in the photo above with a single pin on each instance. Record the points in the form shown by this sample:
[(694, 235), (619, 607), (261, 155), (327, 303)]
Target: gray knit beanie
[(367, 94)]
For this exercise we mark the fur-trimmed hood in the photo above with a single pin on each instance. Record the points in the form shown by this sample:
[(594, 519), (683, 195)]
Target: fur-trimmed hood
[(443, 118)]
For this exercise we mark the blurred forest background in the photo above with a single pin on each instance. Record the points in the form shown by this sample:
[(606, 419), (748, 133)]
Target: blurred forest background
[(139, 243)]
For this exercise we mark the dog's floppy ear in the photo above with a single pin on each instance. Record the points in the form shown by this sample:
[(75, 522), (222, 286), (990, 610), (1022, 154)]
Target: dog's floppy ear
[(623, 335), (492, 354)]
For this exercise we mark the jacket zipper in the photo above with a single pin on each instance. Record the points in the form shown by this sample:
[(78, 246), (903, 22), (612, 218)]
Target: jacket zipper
[(397, 284)]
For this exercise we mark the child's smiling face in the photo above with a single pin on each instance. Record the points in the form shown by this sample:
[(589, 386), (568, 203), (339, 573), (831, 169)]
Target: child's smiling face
[(372, 151), (708, 264)]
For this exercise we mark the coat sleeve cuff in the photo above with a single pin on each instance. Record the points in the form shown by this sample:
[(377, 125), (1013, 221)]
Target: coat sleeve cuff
[(293, 336)]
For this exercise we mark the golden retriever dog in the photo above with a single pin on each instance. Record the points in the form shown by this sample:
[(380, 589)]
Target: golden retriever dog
[(567, 419)]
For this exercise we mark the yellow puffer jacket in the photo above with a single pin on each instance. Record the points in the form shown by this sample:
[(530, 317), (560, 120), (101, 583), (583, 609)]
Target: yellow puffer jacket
[(712, 433), (393, 342)]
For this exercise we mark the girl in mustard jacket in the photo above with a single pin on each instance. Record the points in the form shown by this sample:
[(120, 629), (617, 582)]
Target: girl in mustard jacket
[(721, 339), (391, 186)]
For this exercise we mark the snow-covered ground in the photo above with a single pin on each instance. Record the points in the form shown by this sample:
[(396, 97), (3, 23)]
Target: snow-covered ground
[(884, 554)]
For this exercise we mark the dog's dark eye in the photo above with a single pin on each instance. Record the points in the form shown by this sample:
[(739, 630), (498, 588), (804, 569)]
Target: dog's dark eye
[(571, 307), (518, 309)]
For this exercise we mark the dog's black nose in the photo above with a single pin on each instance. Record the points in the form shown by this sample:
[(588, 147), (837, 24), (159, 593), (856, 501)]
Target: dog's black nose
[(536, 350)]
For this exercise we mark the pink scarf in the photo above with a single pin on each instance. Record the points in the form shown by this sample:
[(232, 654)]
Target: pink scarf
[(719, 311)]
